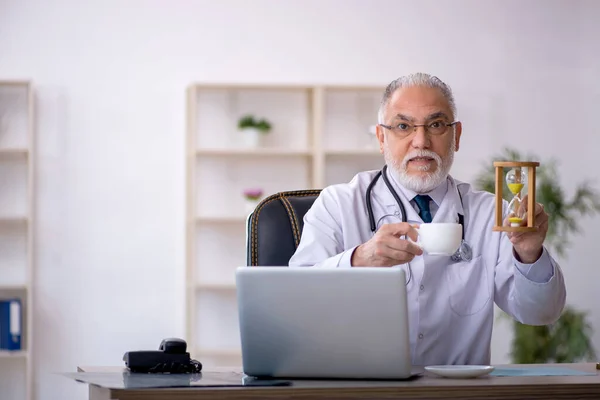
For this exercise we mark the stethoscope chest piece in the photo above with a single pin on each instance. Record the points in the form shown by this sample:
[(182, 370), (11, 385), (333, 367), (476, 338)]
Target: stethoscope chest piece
[(464, 253)]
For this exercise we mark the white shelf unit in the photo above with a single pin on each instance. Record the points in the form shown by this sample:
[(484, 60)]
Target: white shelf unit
[(320, 136), (17, 158)]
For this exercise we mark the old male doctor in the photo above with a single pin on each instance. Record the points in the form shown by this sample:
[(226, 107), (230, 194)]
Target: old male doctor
[(450, 301)]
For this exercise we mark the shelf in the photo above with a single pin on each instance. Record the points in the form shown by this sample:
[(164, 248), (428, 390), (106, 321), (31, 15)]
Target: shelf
[(14, 354), (234, 86), (219, 352), (353, 152), (351, 87), (216, 286), (252, 152), (14, 219), (16, 83), (14, 151), (232, 219), (284, 152), (13, 287)]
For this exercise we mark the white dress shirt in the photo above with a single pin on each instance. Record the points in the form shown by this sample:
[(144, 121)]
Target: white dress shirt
[(451, 309)]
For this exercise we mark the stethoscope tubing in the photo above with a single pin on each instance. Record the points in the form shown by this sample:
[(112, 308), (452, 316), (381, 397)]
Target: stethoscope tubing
[(464, 252)]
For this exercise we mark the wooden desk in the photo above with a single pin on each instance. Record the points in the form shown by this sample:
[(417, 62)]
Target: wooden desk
[(426, 387)]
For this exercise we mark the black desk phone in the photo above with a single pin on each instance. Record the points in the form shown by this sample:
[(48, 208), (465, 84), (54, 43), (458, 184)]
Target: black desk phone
[(171, 357)]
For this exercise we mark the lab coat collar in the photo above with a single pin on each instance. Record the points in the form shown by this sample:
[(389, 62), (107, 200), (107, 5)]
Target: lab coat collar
[(446, 191), (453, 195), (437, 194), (452, 203)]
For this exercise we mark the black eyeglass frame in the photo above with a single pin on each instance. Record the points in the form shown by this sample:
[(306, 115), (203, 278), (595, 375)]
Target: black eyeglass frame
[(414, 127)]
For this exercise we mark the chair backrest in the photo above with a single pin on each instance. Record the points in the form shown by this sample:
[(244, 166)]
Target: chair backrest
[(273, 229)]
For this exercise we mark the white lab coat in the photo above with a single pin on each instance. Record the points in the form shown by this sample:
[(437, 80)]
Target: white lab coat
[(451, 305)]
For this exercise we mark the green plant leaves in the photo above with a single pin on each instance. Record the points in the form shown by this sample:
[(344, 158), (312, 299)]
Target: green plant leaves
[(248, 121), (567, 341), (531, 344)]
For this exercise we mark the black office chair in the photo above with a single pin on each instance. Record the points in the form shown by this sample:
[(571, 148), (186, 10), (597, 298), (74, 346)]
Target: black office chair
[(273, 230)]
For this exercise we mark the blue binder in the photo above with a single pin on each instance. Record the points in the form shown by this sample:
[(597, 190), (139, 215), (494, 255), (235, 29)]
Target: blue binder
[(10, 324)]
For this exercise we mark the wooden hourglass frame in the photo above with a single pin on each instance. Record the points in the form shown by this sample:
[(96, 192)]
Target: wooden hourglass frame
[(520, 165)]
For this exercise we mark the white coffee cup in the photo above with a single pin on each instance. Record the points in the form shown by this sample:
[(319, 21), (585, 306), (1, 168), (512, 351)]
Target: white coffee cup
[(440, 238)]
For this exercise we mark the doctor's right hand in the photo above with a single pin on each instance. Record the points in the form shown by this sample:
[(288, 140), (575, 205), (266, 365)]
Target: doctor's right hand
[(386, 248)]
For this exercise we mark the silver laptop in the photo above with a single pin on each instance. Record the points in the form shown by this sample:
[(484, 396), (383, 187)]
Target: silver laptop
[(349, 323)]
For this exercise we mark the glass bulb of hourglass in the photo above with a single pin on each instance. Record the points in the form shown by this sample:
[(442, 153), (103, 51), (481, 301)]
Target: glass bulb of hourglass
[(516, 180)]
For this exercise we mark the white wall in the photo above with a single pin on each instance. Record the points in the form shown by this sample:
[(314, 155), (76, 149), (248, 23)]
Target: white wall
[(110, 78)]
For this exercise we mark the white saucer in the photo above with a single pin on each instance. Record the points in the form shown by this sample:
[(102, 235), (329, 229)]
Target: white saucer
[(460, 371)]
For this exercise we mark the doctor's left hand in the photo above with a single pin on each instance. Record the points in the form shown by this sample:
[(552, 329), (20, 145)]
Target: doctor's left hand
[(529, 245)]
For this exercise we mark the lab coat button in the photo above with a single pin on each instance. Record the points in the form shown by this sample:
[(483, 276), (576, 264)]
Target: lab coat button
[(420, 336), (422, 287)]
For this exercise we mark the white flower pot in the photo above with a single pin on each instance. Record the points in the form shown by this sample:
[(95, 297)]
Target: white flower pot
[(251, 137), (250, 205)]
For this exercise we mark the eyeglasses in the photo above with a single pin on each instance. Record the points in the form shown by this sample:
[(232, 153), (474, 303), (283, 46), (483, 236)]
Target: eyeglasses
[(435, 128)]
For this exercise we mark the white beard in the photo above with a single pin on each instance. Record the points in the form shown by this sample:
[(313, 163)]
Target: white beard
[(420, 184)]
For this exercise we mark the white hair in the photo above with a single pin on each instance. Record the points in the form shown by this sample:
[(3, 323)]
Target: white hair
[(417, 79)]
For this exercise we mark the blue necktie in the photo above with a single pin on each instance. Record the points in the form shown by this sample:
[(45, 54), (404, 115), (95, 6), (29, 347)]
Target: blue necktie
[(423, 203)]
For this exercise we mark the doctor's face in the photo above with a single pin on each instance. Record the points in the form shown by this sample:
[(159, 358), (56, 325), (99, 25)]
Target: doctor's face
[(421, 157)]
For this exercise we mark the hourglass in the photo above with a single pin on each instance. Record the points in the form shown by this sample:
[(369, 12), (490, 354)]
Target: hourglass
[(520, 174)]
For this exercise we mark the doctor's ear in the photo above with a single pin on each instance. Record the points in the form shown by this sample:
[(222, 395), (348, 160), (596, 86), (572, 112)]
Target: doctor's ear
[(380, 137), (457, 133)]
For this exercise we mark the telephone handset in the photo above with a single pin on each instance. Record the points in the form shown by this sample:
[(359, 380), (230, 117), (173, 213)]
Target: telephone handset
[(171, 357)]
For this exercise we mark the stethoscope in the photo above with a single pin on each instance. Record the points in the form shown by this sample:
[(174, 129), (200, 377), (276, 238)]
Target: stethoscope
[(464, 252)]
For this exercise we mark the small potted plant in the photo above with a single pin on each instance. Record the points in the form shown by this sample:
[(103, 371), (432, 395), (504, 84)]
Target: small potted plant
[(252, 197), (253, 129)]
